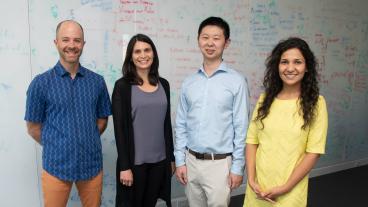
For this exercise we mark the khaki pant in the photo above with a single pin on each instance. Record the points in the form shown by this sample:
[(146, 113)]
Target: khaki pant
[(207, 182), (56, 192)]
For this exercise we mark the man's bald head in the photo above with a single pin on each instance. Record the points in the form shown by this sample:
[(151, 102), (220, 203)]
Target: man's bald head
[(68, 22)]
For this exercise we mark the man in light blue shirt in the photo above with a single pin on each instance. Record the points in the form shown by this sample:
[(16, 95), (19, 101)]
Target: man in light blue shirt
[(211, 123)]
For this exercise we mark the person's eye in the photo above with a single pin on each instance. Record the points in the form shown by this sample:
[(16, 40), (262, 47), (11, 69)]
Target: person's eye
[(298, 62)]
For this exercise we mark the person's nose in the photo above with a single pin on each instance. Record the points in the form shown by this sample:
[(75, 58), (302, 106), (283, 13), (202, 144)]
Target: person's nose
[(142, 55), (290, 67), (210, 42), (72, 44)]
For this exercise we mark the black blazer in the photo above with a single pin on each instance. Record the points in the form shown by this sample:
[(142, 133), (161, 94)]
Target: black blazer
[(124, 137)]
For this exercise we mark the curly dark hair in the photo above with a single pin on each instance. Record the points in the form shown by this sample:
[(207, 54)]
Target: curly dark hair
[(129, 70), (273, 84)]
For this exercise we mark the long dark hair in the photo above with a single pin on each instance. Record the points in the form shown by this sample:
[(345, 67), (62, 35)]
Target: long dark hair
[(273, 84), (129, 69)]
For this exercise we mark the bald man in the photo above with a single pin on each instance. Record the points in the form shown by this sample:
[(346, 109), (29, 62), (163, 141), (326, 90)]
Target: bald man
[(66, 112)]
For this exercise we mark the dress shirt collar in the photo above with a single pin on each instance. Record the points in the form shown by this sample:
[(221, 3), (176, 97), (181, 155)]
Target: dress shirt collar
[(222, 67), (60, 70)]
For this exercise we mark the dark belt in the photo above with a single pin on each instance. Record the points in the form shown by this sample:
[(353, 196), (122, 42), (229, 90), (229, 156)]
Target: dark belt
[(208, 156)]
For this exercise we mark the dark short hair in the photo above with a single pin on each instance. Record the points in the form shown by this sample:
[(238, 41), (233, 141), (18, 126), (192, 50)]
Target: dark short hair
[(215, 21), (68, 20), (129, 70)]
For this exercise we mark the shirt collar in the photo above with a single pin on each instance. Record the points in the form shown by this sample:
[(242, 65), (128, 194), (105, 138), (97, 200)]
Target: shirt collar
[(222, 67), (60, 70)]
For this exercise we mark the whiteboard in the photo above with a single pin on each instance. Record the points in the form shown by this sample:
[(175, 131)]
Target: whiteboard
[(337, 31)]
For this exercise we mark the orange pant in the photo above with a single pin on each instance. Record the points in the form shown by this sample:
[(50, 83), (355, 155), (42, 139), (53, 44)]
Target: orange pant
[(56, 192)]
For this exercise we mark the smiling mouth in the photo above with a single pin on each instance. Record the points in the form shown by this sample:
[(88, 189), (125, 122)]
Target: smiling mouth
[(143, 61), (290, 76), (71, 52), (210, 51)]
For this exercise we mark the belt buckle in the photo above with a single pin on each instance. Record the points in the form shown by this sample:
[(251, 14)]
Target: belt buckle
[(207, 156), (200, 156)]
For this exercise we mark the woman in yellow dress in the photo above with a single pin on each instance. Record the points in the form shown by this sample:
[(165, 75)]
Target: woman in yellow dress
[(288, 130)]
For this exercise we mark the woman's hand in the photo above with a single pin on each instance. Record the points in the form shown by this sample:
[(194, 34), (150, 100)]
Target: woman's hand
[(300, 171), (275, 192), (126, 177), (256, 189), (260, 194)]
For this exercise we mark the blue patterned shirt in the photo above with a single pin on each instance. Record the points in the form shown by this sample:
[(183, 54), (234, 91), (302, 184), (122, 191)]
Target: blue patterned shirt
[(212, 116), (68, 110)]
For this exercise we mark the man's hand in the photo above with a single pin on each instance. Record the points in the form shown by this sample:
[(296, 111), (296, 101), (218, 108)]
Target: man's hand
[(181, 174), (235, 180), (34, 129)]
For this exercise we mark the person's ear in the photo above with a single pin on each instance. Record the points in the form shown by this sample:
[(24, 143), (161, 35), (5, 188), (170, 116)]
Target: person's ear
[(227, 42)]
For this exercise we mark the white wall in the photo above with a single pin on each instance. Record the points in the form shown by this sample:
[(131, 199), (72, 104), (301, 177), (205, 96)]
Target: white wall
[(337, 31)]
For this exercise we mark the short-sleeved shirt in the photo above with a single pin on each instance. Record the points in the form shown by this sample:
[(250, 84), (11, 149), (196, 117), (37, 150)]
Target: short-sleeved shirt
[(68, 110), (282, 145)]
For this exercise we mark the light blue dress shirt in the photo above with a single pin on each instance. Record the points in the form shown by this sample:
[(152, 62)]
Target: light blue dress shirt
[(212, 116)]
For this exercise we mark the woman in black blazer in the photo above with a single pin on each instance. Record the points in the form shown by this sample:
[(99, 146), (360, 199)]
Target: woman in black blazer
[(145, 160)]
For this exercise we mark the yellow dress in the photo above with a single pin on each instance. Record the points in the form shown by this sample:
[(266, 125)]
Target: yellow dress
[(281, 146)]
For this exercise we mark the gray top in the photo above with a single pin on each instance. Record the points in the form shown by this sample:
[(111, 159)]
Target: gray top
[(148, 112)]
